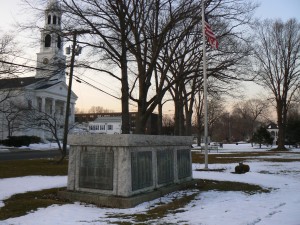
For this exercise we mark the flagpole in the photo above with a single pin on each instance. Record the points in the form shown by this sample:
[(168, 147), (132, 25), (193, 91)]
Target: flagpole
[(205, 89)]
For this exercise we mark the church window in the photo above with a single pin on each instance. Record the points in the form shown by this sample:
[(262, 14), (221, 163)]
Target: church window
[(29, 104), (58, 20), (54, 19), (48, 41), (49, 19), (59, 42)]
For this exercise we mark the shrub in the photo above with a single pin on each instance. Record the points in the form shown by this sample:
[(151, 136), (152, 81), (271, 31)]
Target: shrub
[(262, 136), (242, 168), (18, 141)]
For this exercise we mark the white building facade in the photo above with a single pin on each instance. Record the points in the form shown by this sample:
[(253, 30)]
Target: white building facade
[(272, 128), (106, 125), (46, 92)]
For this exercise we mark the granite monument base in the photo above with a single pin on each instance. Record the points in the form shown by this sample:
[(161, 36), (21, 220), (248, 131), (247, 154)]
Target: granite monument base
[(124, 166)]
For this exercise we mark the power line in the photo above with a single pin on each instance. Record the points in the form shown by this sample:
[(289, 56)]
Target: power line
[(98, 82), (37, 68), (30, 67), (78, 78), (99, 89)]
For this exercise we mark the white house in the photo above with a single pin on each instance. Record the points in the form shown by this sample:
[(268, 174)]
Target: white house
[(106, 125), (47, 90), (272, 128)]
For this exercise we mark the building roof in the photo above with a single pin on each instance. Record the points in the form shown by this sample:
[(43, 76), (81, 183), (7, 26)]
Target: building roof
[(46, 86), (272, 126), (18, 82), (107, 119)]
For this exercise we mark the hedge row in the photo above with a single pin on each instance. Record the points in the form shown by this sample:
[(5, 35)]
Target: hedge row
[(18, 141)]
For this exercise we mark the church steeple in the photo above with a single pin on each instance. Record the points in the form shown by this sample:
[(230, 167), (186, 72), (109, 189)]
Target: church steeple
[(51, 58)]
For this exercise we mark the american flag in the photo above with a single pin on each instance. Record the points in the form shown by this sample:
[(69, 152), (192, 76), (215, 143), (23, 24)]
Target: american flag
[(210, 35)]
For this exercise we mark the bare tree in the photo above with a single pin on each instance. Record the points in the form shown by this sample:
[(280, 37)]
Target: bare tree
[(8, 52), (252, 113), (79, 110), (186, 75), (167, 24), (277, 54), (131, 35), (12, 116), (49, 123), (108, 23), (226, 67), (167, 125), (99, 109), (215, 112), (8, 69)]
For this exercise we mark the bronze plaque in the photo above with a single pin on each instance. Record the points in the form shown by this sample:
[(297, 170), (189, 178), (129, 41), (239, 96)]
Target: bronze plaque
[(96, 169), (141, 170), (184, 163), (165, 166)]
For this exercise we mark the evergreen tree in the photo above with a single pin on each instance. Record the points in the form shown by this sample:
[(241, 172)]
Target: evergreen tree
[(293, 131), (262, 136)]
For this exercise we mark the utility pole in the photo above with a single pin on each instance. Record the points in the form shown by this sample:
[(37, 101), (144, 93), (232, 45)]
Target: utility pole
[(76, 50), (205, 91)]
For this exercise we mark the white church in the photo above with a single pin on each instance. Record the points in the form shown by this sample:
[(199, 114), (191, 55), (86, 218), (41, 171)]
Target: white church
[(46, 92)]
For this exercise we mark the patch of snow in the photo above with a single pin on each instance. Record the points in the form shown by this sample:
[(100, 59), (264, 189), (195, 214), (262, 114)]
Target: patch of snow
[(11, 186)]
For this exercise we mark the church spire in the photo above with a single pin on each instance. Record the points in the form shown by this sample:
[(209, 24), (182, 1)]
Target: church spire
[(51, 57)]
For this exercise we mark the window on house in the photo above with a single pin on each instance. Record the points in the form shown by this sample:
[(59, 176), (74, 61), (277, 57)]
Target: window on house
[(49, 19), (59, 42), (29, 104), (58, 19), (102, 127), (40, 107), (109, 127), (48, 41), (54, 19)]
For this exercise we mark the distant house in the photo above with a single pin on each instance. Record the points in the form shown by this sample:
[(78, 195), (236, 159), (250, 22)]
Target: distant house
[(106, 125), (88, 118), (272, 128)]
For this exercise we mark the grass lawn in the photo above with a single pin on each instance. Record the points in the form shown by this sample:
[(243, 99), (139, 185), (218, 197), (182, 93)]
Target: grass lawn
[(20, 168)]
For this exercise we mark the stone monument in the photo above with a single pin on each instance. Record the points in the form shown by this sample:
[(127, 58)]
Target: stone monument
[(124, 170)]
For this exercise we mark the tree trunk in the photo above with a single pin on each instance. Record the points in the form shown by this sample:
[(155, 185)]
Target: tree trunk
[(188, 122), (280, 122), (199, 128), (159, 122), (281, 127), (179, 116), (125, 102), (141, 122), (124, 78)]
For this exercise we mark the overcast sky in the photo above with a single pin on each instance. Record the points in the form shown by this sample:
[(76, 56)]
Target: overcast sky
[(10, 11)]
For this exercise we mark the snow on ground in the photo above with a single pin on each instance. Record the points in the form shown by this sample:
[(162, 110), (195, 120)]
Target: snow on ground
[(40, 147), (11, 186), (280, 206)]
